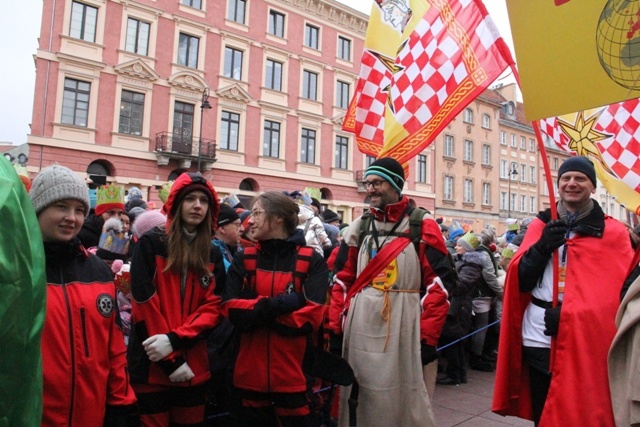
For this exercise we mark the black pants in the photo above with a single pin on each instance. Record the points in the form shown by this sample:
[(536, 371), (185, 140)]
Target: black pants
[(539, 377), (171, 406), (273, 409)]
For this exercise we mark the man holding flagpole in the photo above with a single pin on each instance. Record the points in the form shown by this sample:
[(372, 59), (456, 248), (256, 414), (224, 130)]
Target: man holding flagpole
[(562, 291)]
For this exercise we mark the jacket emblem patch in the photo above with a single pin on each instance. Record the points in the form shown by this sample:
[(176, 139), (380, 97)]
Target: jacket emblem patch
[(105, 304)]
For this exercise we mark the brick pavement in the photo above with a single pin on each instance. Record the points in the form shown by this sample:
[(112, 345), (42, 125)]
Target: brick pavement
[(469, 405)]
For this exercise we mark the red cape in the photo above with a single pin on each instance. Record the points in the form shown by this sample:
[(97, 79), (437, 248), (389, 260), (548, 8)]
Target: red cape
[(579, 391)]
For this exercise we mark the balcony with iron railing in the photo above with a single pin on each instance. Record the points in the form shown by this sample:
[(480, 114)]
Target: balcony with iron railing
[(183, 148)]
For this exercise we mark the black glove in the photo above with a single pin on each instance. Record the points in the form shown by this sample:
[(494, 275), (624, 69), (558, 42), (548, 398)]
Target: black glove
[(552, 320), (552, 236), (335, 344), (428, 353)]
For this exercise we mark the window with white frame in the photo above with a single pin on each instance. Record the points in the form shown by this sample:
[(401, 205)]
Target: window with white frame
[(523, 173), (532, 174), (523, 203), (137, 40), (468, 150), (467, 116), (503, 200), (311, 36), (448, 146), (342, 152), (276, 23), (273, 75), (196, 4), (182, 127), (486, 154), (308, 146), (503, 137), (514, 140), (188, 50), (368, 160), (422, 169), (523, 143), (342, 94), (84, 21), (271, 143), (532, 145), (513, 202), (344, 48), (486, 193), (131, 112), (486, 121), (229, 130), (504, 168), (468, 191), (75, 102), (555, 164), (447, 193), (310, 85), (236, 10), (232, 63), (532, 204)]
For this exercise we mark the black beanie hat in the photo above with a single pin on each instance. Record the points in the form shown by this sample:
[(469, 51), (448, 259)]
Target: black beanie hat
[(389, 169), (578, 164), (329, 216), (226, 215)]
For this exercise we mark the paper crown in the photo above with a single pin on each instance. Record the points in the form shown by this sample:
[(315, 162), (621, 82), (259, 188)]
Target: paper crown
[(110, 193), (163, 194), (23, 174), (232, 200)]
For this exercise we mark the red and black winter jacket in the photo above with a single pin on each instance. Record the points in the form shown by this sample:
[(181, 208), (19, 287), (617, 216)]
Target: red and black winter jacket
[(276, 317), (159, 308), (84, 361)]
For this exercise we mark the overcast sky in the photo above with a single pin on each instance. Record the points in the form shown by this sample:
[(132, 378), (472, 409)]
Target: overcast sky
[(19, 31)]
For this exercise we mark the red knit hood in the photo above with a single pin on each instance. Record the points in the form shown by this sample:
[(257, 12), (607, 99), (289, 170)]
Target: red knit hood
[(198, 182)]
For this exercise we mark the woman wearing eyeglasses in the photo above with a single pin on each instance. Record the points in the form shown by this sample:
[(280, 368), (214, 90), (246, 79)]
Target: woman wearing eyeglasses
[(275, 296), (174, 307)]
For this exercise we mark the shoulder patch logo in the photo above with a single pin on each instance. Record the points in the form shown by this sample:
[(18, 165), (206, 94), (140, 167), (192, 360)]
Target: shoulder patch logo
[(105, 304), (205, 281)]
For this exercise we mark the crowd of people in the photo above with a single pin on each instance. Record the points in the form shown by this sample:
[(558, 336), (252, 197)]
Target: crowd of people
[(211, 313)]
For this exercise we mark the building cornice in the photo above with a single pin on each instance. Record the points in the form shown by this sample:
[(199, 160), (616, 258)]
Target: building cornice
[(333, 12)]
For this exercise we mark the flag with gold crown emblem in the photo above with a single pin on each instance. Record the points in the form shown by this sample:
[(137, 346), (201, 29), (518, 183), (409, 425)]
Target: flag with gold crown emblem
[(610, 137), (424, 61)]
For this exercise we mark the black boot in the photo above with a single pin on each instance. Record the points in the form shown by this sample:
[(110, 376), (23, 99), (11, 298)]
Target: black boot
[(476, 363), (463, 376), (448, 380)]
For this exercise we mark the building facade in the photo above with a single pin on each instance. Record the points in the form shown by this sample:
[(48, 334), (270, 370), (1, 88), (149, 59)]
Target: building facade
[(251, 92)]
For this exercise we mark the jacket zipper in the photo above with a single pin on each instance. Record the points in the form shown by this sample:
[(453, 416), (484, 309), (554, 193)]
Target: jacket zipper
[(71, 348), (83, 318)]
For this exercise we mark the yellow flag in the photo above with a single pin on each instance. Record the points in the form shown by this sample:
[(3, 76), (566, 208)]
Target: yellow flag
[(573, 55)]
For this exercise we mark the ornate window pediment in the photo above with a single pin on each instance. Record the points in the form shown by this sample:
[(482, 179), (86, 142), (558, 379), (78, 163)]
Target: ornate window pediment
[(137, 69), (234, 92)]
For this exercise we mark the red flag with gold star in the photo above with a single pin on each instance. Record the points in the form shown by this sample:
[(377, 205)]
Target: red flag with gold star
[(424, 62), (610, 137)]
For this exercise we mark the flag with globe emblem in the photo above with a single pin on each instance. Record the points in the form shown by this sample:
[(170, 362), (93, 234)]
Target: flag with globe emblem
[(610, 137), (575, 54), (424, 61)]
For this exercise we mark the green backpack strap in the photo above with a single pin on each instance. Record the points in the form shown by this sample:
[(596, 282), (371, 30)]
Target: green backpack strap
[(415, 225)]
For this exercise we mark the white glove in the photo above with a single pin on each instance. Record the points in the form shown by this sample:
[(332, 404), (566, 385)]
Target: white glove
[(157, 347), (183, 373)]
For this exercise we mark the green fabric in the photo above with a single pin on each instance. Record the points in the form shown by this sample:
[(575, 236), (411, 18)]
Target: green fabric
[(22, 305)]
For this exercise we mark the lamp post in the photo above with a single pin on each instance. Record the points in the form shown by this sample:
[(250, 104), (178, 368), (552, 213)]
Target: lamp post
[(512, 172), (204, 105)]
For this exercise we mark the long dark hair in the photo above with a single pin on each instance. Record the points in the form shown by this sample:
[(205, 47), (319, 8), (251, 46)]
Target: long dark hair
[(193, 255)]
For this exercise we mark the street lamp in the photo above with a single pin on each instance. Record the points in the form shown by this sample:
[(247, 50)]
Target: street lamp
[(512, 172), (205, 105)]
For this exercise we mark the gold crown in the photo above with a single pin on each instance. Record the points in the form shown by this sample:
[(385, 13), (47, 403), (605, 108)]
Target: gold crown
[(164, 191), (110, 193)]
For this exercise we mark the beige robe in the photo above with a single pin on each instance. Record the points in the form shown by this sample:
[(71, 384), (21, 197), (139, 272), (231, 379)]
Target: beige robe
[(624, 360), (392, 388)]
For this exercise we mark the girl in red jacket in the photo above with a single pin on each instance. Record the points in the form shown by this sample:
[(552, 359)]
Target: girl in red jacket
[(174, 307), (84, 364)]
